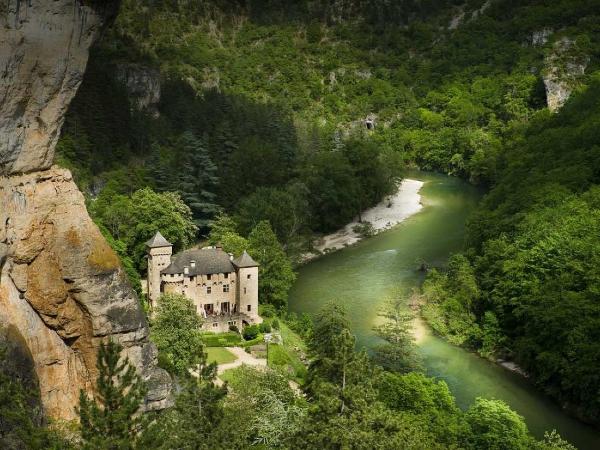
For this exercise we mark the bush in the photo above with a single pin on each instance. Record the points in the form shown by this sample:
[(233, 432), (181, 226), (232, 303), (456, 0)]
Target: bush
[(265, 327), (251, 332), (364, 229), (230, 339), (275, 324), (234, 329), (267, 311)]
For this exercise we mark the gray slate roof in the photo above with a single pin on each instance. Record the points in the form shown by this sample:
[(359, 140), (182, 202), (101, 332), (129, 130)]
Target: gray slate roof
[(158, 241), (208, 261), (245, 261)]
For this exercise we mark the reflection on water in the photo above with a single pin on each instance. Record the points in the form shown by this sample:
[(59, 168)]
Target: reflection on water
[(361, 276)]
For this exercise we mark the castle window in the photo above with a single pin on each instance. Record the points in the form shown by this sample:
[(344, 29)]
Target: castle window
[(244, 290), (249, 276), (249, 307), (208, 289), (225, 288), (226, 275), (208, 277), (215, 325)]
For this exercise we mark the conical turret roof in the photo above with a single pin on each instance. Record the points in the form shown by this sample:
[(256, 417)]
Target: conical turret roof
[(158, 241), (245, 261)]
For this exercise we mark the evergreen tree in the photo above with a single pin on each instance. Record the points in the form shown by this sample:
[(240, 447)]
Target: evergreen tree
[(398, 352), (158, 169), (197, 179), (276, 275), (111, 420), (197, 419)]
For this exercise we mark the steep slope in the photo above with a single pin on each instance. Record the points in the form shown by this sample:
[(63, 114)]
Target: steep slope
[(61, 286)]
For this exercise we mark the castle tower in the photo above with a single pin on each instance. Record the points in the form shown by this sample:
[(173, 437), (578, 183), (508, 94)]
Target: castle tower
[(247, 285), (159, 257)]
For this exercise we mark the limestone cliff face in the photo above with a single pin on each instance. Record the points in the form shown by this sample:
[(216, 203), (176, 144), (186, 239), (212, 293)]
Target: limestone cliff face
[(43, 50), (143, 86), (61, 285), (564, 68)]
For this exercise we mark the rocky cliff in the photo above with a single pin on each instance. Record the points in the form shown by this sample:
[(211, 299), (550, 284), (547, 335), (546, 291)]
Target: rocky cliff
[(61, 285), (565, 66)]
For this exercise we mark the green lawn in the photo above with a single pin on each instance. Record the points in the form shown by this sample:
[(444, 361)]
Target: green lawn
[(220, 355), (221, 339), (229, 375)]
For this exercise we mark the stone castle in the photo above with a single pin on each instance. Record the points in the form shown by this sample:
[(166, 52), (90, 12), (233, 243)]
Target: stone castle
[(223, 289)]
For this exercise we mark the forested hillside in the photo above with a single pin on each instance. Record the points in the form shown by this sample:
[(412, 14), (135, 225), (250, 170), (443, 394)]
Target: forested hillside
[(263, 111)]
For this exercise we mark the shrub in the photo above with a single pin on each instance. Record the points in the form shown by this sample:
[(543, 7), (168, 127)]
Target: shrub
[(364, 229), (265, 327), (251, 332), (234, 328), (267, 311), (275, 324)]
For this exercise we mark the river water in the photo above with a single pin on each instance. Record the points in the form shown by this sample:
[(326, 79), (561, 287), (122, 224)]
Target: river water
[(361, 276)]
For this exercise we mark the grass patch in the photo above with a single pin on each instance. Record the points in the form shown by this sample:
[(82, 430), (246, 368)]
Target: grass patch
[(222, 339), (287, 356), (230, 375), (220, 355)]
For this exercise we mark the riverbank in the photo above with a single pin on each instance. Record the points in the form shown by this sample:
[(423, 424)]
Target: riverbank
[(361, 276), (390, 212)]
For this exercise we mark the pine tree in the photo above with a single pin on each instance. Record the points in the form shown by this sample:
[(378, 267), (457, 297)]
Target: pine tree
[(398, 351), (198, 179), (158, 169), (111, 420)]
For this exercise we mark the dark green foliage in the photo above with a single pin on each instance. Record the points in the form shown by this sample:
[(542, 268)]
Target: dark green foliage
[(534, 267), (250, 332), (110, 420), (265, 327), (276, 275), (197, 419), (22, 425), (197, 179)]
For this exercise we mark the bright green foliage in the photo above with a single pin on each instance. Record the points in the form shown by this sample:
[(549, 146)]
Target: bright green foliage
[(134, 220), (398, 353), (121, 249), (110, 420), (176, 331), (451, 301), (495, 426), (275, 276), (431, 400), (264, 408)]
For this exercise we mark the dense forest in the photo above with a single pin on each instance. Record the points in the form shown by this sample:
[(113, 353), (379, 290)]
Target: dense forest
[(259, 137)]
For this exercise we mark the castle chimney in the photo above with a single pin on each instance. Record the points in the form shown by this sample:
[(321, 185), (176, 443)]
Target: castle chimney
[(193, 263), (186, 270)]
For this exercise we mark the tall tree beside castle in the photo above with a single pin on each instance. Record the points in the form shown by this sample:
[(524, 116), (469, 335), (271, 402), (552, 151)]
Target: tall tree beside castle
[(197, 179)]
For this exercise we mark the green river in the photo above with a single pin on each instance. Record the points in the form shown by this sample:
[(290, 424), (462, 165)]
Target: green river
[(362, 275)]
